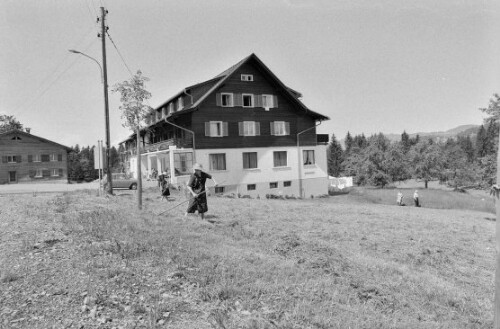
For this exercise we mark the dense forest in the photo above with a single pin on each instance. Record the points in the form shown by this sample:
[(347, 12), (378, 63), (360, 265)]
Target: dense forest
[(466, 161), (81, 163)]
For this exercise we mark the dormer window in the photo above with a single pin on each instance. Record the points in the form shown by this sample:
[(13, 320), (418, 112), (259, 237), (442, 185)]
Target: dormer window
[(170, 108), (164, 111), (246, 77)]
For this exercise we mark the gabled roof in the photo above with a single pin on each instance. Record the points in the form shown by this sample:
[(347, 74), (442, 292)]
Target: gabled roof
[(22, 133), (293, 95), (225, 75)]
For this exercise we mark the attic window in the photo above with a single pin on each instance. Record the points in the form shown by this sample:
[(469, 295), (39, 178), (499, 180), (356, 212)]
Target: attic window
[(16, 138), (246, 77)]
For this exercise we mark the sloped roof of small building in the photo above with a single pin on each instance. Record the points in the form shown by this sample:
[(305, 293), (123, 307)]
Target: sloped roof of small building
[(22, 133)]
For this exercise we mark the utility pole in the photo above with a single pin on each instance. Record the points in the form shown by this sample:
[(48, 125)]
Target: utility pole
[(106, 106)]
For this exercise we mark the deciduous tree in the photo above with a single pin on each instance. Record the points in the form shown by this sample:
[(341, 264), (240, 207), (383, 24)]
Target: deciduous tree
[(134, 112)]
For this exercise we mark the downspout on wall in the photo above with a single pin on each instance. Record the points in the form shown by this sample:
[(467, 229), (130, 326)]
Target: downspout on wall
[(299, 158)]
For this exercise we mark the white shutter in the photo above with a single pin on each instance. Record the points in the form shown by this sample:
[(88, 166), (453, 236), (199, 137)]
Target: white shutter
[(272, 127), (287, 128), (218, 99), (258, 100), (224, 129), (241, 129), (275, 101), (257, 128), (238, 100), (207, 129)]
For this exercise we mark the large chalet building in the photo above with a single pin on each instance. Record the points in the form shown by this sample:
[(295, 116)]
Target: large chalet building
[(29, 158), (245, 127)]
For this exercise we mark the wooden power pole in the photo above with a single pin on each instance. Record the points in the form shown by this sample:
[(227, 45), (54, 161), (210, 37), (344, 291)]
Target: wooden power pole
[(106, 106)]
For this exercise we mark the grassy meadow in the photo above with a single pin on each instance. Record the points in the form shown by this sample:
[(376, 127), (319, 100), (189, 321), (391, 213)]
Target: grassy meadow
[(351, 261)]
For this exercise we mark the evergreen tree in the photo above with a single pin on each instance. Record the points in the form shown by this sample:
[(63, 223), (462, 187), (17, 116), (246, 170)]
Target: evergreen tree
[(480, 142), (334, 154), (405, 142), (491, 140), (467, 146), (348, 142)]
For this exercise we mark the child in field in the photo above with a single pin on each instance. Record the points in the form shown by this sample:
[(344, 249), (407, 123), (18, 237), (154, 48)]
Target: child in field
[(399, 199)]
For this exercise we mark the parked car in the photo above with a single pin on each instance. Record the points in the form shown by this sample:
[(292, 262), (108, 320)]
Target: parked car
[(121, 181)]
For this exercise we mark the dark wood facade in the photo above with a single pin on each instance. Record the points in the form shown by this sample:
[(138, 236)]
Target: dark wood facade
[(29, 158), (201, 106)]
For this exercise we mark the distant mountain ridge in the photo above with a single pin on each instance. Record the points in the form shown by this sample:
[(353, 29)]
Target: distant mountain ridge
[(463, 130)]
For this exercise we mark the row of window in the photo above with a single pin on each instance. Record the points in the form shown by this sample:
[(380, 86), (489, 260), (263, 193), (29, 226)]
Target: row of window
[(246, 100), (54, 157), (253, 187), (246, 128), (217, 161), (40, 173)]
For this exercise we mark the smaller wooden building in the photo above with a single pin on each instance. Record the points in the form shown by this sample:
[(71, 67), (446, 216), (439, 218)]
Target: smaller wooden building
[(26, 158)]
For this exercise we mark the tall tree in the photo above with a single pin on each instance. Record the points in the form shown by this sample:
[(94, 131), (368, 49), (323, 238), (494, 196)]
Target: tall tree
[(9, 122), (348, 142), (481, 142), (134, 112), (334, 157), (405, 142), (426, 161)]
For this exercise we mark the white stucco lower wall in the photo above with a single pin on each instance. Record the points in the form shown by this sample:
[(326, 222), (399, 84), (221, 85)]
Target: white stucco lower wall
[(235, 179)]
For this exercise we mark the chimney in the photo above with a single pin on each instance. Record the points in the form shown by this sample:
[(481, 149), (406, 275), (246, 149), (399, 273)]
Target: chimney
[(28, 130)]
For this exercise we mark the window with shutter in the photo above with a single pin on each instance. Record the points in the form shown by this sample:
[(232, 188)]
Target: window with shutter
[(280, 128), (226, 100), (54, 172), (59, 157), (18, 159), (32, 173), (4, 159), (216, 129), (267, 101), (39, 173), (248, 100), (60, 172), (30, 158)]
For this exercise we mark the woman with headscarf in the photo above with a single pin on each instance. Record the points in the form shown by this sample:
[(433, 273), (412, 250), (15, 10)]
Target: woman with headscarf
[(196, 186)]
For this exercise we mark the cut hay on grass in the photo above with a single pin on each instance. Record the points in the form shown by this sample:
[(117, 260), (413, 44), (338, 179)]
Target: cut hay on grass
[(339, 262)]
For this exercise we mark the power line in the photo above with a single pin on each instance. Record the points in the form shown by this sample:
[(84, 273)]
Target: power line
[(28, 103), (123, 60), (89, 11)]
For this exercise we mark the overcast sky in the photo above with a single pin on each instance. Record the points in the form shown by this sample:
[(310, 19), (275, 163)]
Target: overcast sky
[(371, 66)]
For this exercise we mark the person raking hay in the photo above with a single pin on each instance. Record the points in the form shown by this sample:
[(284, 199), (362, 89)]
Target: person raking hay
[(196, 186)]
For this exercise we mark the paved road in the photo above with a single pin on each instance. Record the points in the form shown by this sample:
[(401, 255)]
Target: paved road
[(46, 187), (54, 187)]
